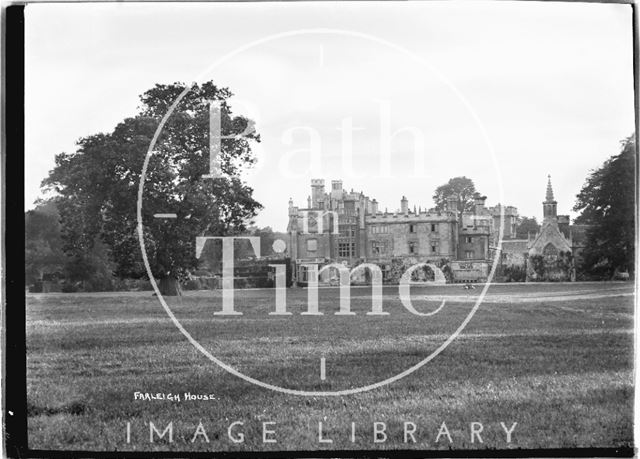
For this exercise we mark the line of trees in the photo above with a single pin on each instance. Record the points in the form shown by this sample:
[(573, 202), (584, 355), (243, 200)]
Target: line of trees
[(87, 233), (46, 261)]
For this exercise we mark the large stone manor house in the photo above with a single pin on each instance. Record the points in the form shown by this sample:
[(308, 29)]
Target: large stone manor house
[(347, 227)]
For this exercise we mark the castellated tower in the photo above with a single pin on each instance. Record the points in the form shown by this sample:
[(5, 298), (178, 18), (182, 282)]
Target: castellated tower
[(317, 193), (336, 189)]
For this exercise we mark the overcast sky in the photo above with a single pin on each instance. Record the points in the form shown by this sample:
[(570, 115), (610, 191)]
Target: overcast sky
[(501, 92)]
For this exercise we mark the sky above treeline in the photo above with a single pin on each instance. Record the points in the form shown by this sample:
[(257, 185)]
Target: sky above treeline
[(393, 98)]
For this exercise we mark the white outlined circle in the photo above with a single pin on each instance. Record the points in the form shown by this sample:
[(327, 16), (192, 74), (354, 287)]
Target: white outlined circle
[(229, 368)]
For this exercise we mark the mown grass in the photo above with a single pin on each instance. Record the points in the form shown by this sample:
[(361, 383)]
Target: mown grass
[(561, 369)]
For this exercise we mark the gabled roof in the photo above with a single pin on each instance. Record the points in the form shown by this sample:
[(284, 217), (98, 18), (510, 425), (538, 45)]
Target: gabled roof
[(549, 233)]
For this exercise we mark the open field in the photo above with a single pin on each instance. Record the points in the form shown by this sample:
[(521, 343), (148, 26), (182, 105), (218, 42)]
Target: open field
[(555, 358)]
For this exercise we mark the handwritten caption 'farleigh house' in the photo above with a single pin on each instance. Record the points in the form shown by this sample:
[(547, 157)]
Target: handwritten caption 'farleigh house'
[(173, 397)]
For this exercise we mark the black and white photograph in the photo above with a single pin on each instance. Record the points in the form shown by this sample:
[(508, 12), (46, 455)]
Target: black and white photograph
[(325, 229)]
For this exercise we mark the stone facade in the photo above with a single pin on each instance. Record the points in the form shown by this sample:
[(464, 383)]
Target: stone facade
[(510, 222), (514, 252), (338, 226), (344, 227)]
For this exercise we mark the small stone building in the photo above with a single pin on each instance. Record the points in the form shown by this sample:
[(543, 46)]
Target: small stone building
[(554, 252)]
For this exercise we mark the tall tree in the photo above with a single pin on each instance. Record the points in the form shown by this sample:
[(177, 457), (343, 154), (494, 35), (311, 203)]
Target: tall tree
[(461, 187), (98, 184), (43, 244), (607, 201), (527, 225)]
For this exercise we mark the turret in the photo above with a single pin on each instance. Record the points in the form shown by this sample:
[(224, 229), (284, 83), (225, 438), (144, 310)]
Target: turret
[(404, 205), (317, 193), (336, 189)]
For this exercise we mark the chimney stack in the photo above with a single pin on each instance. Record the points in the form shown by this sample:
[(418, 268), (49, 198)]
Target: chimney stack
[(478, 201), (452, 203)]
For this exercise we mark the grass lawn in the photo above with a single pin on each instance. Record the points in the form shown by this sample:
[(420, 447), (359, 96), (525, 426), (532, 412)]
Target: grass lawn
[(555, 358)]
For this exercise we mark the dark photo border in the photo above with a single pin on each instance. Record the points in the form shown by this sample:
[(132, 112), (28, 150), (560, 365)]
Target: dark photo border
[(14, 317)]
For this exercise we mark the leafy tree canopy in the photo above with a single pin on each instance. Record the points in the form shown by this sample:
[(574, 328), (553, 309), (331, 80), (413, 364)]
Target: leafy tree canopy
[(462, 187), (527, 225), (97, 186), (607, 202), (43, 244)]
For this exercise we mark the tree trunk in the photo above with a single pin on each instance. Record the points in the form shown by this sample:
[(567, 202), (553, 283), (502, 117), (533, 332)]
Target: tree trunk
[(169, 286)]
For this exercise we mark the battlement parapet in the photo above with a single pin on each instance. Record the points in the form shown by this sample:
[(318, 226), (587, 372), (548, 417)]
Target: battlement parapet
[(508, 210), (477, 230), (410, 217)]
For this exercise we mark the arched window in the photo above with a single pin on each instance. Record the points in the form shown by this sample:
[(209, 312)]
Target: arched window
[(550, 252)]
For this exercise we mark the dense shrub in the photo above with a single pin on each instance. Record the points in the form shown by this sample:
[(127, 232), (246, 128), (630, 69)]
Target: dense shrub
[(443, 264), (192, 284), (551, 270), (98, 284), (514, 273), (68, 287), (240, 282), (142, 285)]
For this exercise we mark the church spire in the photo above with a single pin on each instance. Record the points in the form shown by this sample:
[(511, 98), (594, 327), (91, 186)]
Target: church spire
[(549, 190), (550, 206)]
